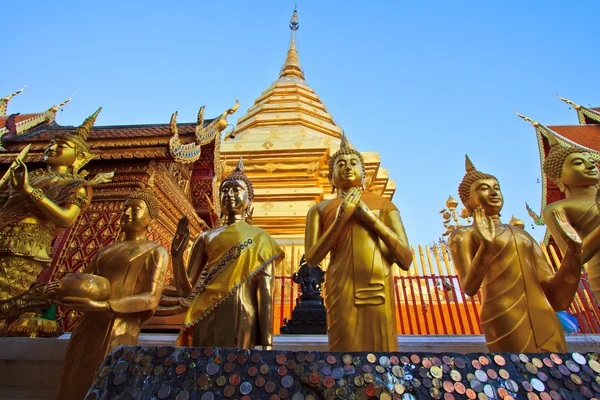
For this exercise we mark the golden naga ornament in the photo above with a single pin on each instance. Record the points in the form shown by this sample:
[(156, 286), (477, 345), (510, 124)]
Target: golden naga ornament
[(36, 207), (575, 172), (119, 291), (365, 236), (190, 152), (520, 292), (228, 281)]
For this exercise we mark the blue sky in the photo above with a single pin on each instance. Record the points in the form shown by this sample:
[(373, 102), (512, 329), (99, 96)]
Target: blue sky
[(422, 83)]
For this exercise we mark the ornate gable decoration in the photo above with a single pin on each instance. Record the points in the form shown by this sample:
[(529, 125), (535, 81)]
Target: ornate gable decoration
[(190, 152)]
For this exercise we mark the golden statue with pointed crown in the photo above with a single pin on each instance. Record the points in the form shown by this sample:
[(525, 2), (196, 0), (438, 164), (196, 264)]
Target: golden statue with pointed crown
[(365, 236), (575, 173), (38, 205), (118, 292), (229, 274), (520, 292)]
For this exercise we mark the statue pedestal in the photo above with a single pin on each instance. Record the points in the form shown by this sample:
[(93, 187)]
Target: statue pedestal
[(308, 317), (215, 373)]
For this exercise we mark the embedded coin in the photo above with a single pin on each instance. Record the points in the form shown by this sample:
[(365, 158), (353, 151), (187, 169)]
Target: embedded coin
[(426, 363), (459, 387), (537, 362), (212, 368), (572, 365), (183, 395), (104, 372), (527, 386), (455, 375), (264, 369), (548, 362), (448, 386), (512, 385), (489, 391), (523, 358), (121, 366), (399, 372), (180, 369), (163, 392), (326, 370), (331, 360), (576, 379), (476, 364), (394, 360), (221, 380), (369, 378), (337, 373), (481, 376), (532, 369), (270, 387), (287, 381), (245, 388), (202, 380), (207, 396), (259, 382), (256, 357), (483, 360), (195, 354), (579, 359), (415, 359), (556, 359), (229, 391), (138, 358), (537, 384), (234, 379), (595, 365), (436, 372), (459, 362), (408, 396), (380, 369), (435, 393), (437, 382), (359, 380), (252, 371), (298, 396), (371, 358), (499, 360), (119, 379), (384, 361), (399, 388), (347, 359), (282, 371), (158, 370), (471, 394)]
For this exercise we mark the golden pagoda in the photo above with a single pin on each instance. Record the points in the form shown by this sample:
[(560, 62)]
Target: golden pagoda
[(286, 139)]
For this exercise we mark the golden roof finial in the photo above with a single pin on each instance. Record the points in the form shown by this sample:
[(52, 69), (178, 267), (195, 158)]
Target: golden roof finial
[(569, 102), (83, 131), (532, 122), (292, 67), (57, 107), (4, 101)]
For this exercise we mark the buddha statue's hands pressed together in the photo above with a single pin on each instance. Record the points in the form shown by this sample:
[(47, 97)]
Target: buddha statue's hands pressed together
[(520, 291), (576, 174), (365, 236), (229, 274)]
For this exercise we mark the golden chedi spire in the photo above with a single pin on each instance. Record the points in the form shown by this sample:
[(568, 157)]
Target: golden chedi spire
[(292, 67)]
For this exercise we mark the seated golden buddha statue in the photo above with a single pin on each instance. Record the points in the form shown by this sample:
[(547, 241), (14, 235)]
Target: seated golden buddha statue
[(575, 173), (520, 292), (38, 205), (230, 274), (365, 235), (117, 293)]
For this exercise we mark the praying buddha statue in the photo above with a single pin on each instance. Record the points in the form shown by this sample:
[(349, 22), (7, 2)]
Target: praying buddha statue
[(520, 292), (575, 173), (119, 291), (365, 236), (230, 274)]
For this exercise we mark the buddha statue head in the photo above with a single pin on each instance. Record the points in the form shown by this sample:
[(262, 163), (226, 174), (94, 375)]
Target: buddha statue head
[(71, 150), (346, 167), (570, 167), (480, 189), (141, 208), (236, 192)]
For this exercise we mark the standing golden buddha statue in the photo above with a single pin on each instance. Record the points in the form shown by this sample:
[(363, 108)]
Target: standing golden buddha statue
[(118, 292), (365, 236), (520, 293), (230, 274), (575, 173)]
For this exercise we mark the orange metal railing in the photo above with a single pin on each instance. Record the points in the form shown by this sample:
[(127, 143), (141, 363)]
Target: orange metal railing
[(430, 301)]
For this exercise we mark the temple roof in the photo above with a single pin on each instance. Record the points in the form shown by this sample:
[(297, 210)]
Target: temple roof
[(587, 136), (108, 142), (585, 115)]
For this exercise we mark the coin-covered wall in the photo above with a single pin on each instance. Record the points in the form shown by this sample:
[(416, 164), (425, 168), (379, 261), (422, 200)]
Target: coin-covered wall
[(207, 374)]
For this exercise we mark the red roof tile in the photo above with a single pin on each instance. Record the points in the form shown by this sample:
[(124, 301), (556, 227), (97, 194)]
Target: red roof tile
[(584, 135), (18, 118)]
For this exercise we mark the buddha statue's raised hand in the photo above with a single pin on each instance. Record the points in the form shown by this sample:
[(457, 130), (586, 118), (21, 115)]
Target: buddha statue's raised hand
[(574, 242), (484, 227), (348, 206), (181, 238)]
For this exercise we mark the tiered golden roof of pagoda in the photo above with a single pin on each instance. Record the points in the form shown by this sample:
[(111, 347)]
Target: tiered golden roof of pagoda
[(286, 138)]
